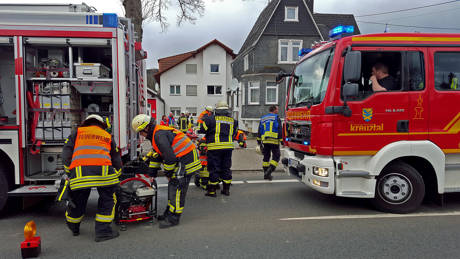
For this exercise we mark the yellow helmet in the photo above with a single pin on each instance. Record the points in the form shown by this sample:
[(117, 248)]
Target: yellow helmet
[(140, 122), (209, 108)]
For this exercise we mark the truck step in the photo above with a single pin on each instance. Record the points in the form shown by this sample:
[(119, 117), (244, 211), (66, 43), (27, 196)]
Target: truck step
[(34, 190)]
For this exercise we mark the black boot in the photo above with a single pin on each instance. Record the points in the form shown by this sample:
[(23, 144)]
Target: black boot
[(211, 191), (268, 173), (74, 227), (169, 221), (265, 172), (164, 215), (226, 189), (106, 236)]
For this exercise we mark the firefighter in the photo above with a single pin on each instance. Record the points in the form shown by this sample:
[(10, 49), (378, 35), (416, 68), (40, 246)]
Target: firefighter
[(180, 160), (204, 173), (241, 139), (220, 130), (269, 138), (207, 112), (91, 159), (183, 123)]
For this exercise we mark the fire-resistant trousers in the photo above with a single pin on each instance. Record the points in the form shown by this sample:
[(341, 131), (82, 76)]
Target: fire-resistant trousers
[(105, 208), (219, 164), (272, 150), (177, 190)]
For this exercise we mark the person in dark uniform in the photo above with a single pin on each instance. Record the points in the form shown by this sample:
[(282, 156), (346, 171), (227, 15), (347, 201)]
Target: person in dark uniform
[(91, 159), (220, 129), (180, 160), (381, 79), (269, 138), (183, 123)]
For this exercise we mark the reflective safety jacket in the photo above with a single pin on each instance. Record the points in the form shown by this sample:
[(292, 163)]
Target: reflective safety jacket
[(241, 138), (202, 147), (183, 123), (220, 130), (203, 115), (173, 147), (91, 158), (270, 129)]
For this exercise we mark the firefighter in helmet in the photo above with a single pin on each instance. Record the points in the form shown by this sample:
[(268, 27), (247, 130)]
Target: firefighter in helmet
[(269, 138), (220, 129), (207, 112), (183, 123), (91, 159), (180, 161)]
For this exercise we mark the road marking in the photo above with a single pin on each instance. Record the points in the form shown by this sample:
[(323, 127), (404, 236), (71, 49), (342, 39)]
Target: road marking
[(274, 181), (375, 216), (160, 185)]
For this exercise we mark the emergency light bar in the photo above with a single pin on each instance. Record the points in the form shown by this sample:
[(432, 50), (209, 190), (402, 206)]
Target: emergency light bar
[(339, 30), (303, 52)]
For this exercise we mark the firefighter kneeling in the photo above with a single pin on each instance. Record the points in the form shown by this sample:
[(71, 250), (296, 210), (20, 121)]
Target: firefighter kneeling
[(180, 160), (91, 159)]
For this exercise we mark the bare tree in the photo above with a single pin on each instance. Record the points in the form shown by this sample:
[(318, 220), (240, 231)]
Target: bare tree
[(141, 11)]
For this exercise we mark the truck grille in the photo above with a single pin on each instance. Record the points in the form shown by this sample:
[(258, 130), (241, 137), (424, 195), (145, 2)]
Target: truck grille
[(299, 133)]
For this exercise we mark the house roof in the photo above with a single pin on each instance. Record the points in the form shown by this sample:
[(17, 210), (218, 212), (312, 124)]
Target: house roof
[(168, 63), (324, 22), (327, 22), (260, 25)]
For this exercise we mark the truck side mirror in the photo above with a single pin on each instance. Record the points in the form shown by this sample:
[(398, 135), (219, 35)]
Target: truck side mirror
[(350, 90), (352, 67), (280, 76)]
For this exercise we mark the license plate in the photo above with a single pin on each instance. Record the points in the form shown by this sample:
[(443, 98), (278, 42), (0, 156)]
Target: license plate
[(293, 163)]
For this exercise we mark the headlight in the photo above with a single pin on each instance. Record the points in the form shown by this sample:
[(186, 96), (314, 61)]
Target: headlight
[(319, 171)]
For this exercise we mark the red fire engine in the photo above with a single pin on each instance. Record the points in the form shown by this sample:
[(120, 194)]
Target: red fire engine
[(395, 146)]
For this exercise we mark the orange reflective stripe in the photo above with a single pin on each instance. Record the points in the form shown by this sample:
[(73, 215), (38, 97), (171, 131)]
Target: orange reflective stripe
[(181, 145), (92, 147)]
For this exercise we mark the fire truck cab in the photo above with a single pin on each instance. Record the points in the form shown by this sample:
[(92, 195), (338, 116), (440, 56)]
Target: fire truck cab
[(395, 145), (58, 64)]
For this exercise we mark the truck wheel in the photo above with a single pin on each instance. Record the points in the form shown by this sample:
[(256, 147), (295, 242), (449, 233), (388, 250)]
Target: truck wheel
[(400, 189), (3, 190)]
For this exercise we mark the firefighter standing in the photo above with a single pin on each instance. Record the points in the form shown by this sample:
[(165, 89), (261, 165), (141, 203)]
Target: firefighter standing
[(91, 159), (207, 112), (269, 138), (183, 123), (220, 130), (180, 160)]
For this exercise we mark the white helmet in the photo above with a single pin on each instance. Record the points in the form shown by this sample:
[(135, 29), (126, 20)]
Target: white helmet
[(221, 105), (209, 108), (140, 122), (95, 117)]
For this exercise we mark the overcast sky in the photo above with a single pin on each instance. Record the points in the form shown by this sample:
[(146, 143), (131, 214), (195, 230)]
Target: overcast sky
[(230, 21)]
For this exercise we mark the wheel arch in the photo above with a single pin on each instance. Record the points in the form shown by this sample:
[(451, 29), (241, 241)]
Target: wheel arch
[(427, 158), (7, 167)]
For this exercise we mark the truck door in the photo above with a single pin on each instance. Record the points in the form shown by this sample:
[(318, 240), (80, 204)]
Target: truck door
[(11, 104), (378, 118), (444, 114), (414, 83)]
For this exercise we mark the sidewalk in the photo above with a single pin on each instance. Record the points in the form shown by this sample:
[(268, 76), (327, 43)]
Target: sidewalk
[(246, 159)]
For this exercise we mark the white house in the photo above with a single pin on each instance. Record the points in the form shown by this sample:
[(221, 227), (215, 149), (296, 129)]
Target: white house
[(193, 80)]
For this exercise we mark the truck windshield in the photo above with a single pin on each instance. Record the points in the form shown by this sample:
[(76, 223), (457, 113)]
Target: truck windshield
[(311, 78)]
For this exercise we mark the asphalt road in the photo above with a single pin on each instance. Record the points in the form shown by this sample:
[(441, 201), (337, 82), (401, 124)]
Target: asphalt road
[(281, 219)]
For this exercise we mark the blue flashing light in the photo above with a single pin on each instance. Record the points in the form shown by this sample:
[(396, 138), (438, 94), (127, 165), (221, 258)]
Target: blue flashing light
[(306, 143), (288, 139), (339, 30), (110, 20), (303, 52)]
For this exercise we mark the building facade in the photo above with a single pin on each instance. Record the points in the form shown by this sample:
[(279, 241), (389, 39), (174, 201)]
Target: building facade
[(191, 81), (282, 29)]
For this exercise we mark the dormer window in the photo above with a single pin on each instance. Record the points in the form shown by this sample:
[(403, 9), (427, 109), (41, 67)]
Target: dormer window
[(291, 14)]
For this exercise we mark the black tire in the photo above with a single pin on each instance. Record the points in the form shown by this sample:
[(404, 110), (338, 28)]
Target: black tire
[(399, 189), (4, 187)]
